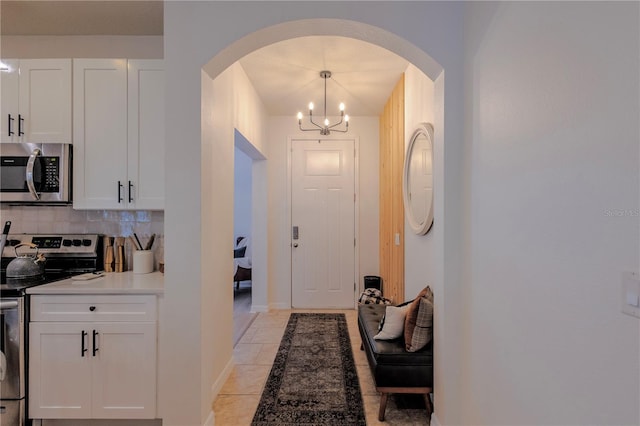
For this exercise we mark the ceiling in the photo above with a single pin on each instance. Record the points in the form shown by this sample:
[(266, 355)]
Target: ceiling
[(285, 74)]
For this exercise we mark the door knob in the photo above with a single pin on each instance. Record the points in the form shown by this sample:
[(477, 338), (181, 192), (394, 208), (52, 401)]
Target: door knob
[(295, 244)]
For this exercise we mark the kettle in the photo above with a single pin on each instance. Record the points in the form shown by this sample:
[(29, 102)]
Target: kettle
[(26, 266)]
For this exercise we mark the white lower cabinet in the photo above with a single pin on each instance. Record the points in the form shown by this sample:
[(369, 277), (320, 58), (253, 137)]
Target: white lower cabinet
[(92, 369)]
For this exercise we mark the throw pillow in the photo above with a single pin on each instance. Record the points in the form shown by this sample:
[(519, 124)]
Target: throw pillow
[(393, 325), (239, 252), (373, 296), (418, 326), (423, 330), (428, 294)]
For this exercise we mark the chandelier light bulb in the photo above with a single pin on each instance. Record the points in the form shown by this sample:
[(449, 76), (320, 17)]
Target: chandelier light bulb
[(341, 106), (326, 121), (310, 106), (299, 116), (346, 118)]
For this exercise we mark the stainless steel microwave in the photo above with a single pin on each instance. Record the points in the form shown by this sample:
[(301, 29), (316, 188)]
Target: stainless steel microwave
[(33, 173)]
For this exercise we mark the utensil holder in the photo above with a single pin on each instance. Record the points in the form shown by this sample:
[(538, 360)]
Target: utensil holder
[(142, 261)]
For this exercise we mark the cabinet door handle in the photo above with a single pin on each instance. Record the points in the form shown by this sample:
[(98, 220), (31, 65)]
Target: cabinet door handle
[(130, 186), (95, 347), (10, 125), (20, 126), (119, 192), (84, 334)]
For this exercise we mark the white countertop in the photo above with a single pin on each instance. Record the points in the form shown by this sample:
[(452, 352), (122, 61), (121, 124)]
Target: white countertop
[(110, 283)]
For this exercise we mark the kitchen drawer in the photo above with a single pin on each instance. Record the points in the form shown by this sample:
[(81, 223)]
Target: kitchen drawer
[(66, 308)]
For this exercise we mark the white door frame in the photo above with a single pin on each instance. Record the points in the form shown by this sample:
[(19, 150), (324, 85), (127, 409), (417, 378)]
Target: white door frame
[(259, 237), (356, 211)]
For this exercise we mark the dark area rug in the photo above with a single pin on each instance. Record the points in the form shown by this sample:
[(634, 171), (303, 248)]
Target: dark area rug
[(313, 380)]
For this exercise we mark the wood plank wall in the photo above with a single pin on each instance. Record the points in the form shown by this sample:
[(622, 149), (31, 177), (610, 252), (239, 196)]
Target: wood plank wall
[(391, 205)]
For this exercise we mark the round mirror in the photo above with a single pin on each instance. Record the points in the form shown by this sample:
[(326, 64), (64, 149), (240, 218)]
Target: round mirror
[(418, 180)]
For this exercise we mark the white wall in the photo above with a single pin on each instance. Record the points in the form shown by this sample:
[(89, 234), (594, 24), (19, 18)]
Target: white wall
[(216, 300), (419, 250), (242, 194), (105, 46), (249, 113), (249, 118), (553, 121), (280, 129), (228, 102)]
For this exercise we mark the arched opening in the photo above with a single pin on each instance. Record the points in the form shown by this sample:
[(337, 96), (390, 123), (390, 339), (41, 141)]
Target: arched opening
[(210, 140), (252, 120), (270, 36)]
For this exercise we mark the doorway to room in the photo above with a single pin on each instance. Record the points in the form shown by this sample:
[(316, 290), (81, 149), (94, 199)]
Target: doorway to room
[(243, 314)]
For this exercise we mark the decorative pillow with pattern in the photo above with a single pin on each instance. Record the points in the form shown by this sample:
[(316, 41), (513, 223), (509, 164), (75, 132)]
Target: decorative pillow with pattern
[(418, 326), (373, 296)]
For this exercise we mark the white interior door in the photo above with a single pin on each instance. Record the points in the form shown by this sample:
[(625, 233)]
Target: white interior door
[(323, 223)]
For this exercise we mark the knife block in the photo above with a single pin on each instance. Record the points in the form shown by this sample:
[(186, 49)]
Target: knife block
[(119, 254), (108, 255)]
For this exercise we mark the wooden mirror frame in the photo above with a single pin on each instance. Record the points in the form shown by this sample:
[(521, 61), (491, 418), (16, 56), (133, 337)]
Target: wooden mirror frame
[(419, 225)]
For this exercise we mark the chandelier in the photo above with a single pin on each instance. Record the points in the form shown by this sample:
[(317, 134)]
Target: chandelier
[(326, 127)]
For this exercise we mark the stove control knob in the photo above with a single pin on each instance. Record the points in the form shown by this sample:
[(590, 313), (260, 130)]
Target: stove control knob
[(66, 243), (77, 243), (86, 243)]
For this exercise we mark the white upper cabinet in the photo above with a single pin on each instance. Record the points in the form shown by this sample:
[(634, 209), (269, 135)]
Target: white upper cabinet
[(146, 134), (118, 116), (99, 133), (36, 101), (10, 94)]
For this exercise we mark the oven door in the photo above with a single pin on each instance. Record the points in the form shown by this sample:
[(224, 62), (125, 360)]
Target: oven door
[(35, 173), (12, 355)]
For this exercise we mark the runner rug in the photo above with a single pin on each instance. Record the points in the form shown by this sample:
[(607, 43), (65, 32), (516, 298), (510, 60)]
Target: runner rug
[(313, 380)]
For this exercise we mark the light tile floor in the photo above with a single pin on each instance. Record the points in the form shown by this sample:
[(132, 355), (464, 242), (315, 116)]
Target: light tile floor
[(254, 354)]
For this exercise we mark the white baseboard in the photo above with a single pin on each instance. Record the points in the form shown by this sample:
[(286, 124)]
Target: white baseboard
[(280, 305), (434, 420), (211, 419), (222, 378), (259, 308)]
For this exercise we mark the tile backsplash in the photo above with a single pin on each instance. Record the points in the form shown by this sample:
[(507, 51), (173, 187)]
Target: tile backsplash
[(66, 220)]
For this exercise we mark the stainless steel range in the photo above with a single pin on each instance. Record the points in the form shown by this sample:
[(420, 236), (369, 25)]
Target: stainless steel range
[(66, 255)]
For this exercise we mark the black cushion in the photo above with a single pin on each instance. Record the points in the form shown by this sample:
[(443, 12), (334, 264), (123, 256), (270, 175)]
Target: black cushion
[(391, 365)]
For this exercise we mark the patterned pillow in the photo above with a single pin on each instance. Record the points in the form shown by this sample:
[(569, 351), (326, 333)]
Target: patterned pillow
[(373, 296), (418, 326)]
